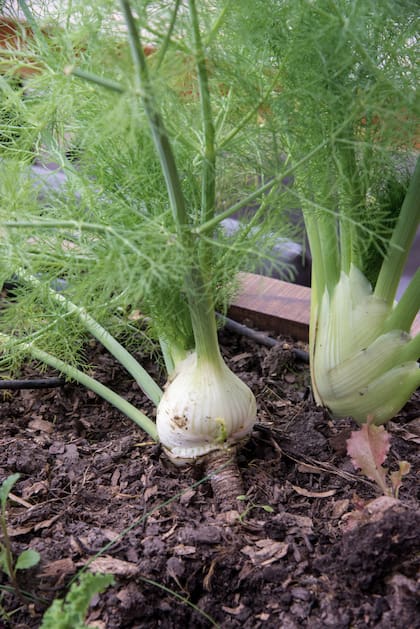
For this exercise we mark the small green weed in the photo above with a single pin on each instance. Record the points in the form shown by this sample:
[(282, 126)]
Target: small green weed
[(8, 563), (70, 612), (250, 506)]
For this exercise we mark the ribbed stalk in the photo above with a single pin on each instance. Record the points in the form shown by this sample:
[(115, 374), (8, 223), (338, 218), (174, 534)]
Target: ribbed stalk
[(401, 241), (405, 311)]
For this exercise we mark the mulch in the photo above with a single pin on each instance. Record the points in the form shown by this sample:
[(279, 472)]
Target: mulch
[(315, 545)]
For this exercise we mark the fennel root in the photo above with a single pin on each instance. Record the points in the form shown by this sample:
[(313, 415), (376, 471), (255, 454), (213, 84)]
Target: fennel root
[(226, 481)]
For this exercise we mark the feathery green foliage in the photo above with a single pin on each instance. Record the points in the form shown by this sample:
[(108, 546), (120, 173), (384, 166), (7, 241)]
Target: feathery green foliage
[(348, 74), (158, 141)]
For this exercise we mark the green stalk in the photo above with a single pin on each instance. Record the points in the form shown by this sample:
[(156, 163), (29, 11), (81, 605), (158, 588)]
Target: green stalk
[(209, 226), (321, 228), (140, 375), (209, 166), (199, 299), (172, 355), (241, 124), (218, 23), (203, 321), (167, 39), (411, 352), (401, 241), (405, 311), (159, 135), (90, 383), (208, 171), (29, 17), (94, 78)]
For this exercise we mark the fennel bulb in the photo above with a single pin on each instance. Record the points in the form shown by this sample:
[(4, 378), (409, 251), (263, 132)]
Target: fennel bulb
[(205, 407), (360, 368), (347, 103)]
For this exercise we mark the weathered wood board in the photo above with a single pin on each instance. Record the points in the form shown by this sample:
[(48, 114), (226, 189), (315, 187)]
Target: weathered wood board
[(277, 306)]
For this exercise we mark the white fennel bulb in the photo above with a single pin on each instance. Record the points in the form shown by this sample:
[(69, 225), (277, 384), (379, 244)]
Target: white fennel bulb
[(205, 407), (360, 368)]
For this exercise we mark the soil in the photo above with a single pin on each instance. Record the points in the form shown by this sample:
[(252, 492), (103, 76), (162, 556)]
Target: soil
[(313, 547)]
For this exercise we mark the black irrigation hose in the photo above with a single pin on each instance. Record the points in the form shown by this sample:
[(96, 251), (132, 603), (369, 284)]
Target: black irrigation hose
[(36, 383), (259, 337)]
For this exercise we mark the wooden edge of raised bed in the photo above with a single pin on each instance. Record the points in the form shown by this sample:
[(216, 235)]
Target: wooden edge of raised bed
[(278, 306)]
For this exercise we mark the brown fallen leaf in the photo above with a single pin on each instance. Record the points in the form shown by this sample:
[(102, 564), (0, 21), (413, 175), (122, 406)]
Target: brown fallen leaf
[(46, 523), (408, 432), (234, 611), (15, 531), (373, 511), (267, 552), (39, 487), (305, 468), (182, 550), (339, 508), (19, 501), (41, 425), (314, 494), (59, 568), (111, 565)]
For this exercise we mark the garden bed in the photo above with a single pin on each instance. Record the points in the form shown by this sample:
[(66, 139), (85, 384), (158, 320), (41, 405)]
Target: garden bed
[(293, 559)]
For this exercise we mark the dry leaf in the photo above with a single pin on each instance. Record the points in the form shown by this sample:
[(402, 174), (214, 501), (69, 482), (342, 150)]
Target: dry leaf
[(19, 530), (19, 501), (39, 487), (305, 468), (242, 356), (46, 523), (302, 522), (59, 568), (41, 425), (408, 432), (182, 550), (339, 508), (266, 553), (187, 496), (111, 565), (234, 611), (149, 492), (314, 494), (373, 511)]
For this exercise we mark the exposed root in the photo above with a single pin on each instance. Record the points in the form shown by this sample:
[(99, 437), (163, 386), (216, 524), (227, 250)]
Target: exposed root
[(226, 480)]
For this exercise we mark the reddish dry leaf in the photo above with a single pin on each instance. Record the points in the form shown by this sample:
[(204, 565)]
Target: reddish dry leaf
[(368, 448)]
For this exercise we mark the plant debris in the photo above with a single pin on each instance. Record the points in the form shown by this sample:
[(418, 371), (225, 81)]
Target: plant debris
[(309, 553)]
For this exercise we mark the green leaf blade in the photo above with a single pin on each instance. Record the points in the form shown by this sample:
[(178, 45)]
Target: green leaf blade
[(27, 559)]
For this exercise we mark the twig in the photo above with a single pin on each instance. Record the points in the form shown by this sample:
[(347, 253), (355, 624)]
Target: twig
[(259, 337)]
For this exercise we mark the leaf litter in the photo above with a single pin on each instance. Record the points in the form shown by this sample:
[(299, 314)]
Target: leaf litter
[(323, 555)]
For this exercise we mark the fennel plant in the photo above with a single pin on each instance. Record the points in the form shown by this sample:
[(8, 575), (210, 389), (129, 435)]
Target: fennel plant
[(348, 74), (155, 149)]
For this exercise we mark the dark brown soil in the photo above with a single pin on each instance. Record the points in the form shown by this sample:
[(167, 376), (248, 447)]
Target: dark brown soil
[(311, 549)]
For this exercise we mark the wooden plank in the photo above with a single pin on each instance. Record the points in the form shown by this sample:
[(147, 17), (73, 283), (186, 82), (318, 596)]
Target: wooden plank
[(273, 305), (277, 306)]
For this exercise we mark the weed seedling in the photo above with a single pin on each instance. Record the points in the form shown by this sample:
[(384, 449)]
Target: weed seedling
[(250, 506), (8, 563), (70, 612)]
